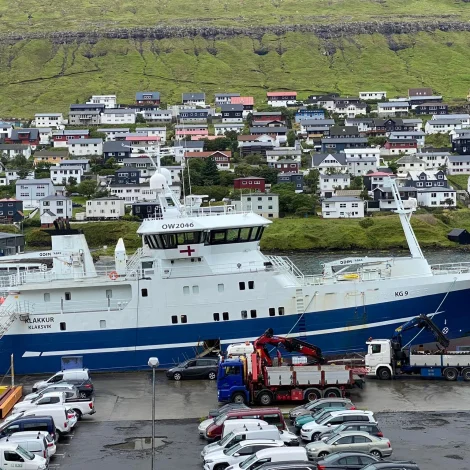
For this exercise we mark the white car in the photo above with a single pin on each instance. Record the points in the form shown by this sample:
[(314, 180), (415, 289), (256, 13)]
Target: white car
[(313, 429), (204, 425), (220, 459), (22, 459), (70, 390), (63, 376), (38, 442)]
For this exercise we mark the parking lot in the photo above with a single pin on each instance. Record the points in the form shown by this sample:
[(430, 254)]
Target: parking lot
[(426, 421)]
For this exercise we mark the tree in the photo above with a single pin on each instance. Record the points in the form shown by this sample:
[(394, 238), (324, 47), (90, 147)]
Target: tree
[(356, 183), (291, 138), (312, 179), (167, 160), (87, 188), (210, 172), (94, 134), (393, 166), (226, 178), (139, 119), (450, 202), (374, 141)]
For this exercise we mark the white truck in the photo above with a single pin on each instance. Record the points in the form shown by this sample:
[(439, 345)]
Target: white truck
[(81, 406)]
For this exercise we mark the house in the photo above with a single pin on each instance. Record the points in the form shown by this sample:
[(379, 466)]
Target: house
[(62, 137), (436, 126), (372, 95), (118, 116), (84, 118), (305, 112), (32, 191), (82, 164), (45, 135), (114, 133), (281, 99), (397, 146), (340, 207), (264, 204), (349, 107), (225, 98), (383, 199), (86, 107), (104, 208), (11, 150), (410, 163), (278, 132), (463, 118), (221, 158), (427, 179), (11, 244), (195, 132), (339, 144), (459, 235), (379, 179), (360, 165), (437, 197), (11, 210), (148, 97), (461, 143), (432, 108), (116, 150), (286, 166), (127, 175), (55, 120), (416, 101), (5, 130), (250, 182), (50, 156), (146, 210), (180, 147), (297, 179), (85, 146), (221, 129), (161, 115), (109, 101), (193, 115), (306, 125), (383, 127), (24, 136), (419, 136), (159, 132), (367, 152), (329, 162), (393, 108), (415, 123), (194, 99), (54, 207), (255, 144), (282, 153), (12, 175), (248, 103), (330, 183), (132, 192), (232, 113), (267, 116), (139, 143), (458, 164), (433, 160), (419, 92), (344, 132), (60, 174)]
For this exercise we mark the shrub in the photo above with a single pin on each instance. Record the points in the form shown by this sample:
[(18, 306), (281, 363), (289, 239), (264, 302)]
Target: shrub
[(366, 223)]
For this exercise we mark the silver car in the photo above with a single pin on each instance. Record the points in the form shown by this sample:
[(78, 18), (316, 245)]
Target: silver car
[(350, 441)]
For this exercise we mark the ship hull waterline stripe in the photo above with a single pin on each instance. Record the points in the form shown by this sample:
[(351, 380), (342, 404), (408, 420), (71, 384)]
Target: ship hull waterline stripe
[(226, 341)]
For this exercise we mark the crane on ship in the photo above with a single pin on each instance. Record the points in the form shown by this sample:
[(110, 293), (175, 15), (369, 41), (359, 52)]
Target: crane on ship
[(289, 344)]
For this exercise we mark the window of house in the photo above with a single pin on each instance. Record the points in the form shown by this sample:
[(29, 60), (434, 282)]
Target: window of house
[(253, 313), (216, 316), (144, 292), (241, 285)]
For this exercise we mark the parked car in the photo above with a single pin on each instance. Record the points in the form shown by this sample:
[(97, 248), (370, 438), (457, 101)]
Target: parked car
[(78, 377), (294, 465), (301, 420), (220, 460), (310, 430), (346, 461), (205, 368), (281, 454), (30, 423), (14, 456), (70, 390), (247, 424), (370, 428), (35, 442), (62, 420), (321, 403), (384, 465), (350, 441), (224, 409)]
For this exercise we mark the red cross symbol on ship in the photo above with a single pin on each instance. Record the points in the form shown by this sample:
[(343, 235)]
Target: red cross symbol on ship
[(188, 250)]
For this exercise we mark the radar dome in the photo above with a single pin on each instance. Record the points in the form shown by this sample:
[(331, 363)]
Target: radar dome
[(166, 173), (157, 182)]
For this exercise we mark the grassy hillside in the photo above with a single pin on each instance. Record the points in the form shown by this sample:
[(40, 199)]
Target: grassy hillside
[(37, 75)]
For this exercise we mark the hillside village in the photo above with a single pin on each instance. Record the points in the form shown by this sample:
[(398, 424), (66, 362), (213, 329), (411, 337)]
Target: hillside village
[(327, 155)]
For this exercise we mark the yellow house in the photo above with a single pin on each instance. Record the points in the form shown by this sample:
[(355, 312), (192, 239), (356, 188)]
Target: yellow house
[(48, 156)]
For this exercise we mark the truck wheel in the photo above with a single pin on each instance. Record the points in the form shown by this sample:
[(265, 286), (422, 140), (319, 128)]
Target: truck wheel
[(466, 374), (312, 394), (451, 373), (332, 392), (79, 414), (265, 398), (384, 374), (238, 398)]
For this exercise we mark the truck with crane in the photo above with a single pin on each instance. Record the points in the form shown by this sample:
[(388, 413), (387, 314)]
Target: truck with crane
[(388, 358), (251, 377)]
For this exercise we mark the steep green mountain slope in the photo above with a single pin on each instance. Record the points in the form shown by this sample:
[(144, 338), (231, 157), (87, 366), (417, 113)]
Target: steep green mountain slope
[(52, 55)]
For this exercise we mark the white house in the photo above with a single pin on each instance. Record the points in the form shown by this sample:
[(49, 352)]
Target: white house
[(105, 208), (153, 132), (11, 150), (85, 146), (54, 207), (45, 135), (60, 174), (194, 99), (436, 126), (12, 175), (225, 98), (340, 207), (160, 115), (373, 95), (393, 108), (83, 163), (281, 99), (415, 122), (330, 183), (349, 107), (118, 116), (133, 192), (53, 120), (109, 101), (458, 165), (463, 118), (329, 162), (139, 143), (5, 130), (433, 160), (437, 197), (114, 132), (283, 153), (419, 136), (320, 124), (359, 166), (264, 204), (221, 129), (32, 191), (410, 163)]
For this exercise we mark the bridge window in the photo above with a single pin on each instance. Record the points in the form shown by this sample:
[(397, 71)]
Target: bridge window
[(241, 285), (235, 235), (272, 312)]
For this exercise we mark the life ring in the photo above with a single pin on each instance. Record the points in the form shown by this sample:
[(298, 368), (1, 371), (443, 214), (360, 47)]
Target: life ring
[(113, 275), (351, 276)]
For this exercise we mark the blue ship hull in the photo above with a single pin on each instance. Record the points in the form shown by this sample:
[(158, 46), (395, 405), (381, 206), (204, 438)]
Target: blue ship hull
[(335, 331)]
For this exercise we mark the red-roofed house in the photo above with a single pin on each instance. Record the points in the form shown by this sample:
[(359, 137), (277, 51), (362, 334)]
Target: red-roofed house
[(222, 158), (247, 101), (250, 182), (195, 134), (281, 99)]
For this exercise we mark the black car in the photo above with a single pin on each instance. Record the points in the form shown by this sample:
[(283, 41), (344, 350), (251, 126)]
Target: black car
[(346, 461), (226, 408), (205, 368), (85, 387), (371, 428), (390, 465)]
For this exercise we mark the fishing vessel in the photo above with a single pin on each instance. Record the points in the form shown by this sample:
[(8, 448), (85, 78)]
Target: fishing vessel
[(200, 278)]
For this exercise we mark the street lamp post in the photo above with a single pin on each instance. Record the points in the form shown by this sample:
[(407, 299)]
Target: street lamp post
[(153, 363)]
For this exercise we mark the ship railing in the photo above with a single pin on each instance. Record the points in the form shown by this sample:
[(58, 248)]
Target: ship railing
[(198, 270), (451, 268), (284, 265), (134, 262)]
